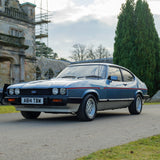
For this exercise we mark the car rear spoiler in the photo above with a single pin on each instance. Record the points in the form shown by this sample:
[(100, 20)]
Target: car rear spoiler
[(4, 93)]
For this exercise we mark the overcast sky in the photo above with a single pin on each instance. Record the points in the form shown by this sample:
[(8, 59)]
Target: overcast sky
[(89, 22)]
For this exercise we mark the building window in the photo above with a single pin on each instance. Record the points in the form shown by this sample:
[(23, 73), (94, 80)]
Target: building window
[(31, 12), (49, 74), (16, 32), (38, 73)]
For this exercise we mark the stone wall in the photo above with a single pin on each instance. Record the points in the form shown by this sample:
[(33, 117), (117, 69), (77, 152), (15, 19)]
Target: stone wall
[(17, 38), (4, 73)]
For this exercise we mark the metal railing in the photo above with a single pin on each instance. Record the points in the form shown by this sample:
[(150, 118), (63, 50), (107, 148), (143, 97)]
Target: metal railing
[(13, 12)]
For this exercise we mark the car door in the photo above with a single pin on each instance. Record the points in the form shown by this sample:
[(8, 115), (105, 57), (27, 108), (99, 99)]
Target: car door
[(114, 87), (116, 92), (129, 83)]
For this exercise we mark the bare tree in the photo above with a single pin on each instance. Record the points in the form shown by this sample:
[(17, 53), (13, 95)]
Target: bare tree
[(91, 53), (79, 52), (101, 52)]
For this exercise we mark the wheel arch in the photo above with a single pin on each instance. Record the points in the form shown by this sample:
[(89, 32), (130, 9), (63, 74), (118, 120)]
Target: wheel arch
[(93, 92), (140, 93)]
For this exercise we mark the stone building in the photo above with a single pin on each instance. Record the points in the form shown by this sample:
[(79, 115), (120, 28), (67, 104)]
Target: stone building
[(18, 60), (17, 42)]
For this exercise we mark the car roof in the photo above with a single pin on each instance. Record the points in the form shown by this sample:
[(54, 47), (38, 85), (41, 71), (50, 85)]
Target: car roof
[(105, 64), (85, 64)]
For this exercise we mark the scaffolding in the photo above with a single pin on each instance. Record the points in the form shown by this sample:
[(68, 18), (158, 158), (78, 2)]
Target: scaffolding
[(42, 20)]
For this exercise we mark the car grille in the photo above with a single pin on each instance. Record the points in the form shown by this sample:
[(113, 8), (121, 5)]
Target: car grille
[(36, 92)]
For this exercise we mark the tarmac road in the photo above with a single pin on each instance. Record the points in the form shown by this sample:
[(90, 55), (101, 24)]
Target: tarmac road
[(63, 137)]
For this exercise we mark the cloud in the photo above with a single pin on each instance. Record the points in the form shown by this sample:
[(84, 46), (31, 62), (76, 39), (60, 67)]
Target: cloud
[(101, 10), (87, 31), (90, 22)]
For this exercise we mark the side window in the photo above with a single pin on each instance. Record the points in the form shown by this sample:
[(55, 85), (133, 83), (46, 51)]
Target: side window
[(127, 77), (114, 71)]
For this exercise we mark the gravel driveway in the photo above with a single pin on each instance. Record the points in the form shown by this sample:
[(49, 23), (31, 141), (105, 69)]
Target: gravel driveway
[(63, 137)]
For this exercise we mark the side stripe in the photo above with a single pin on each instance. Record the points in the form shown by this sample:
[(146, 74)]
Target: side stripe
[(106, 88)]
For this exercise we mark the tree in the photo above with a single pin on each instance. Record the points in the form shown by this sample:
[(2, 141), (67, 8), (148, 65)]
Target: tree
[(79, 52), (137, 44), (90, 53), (63, 59), (43, 50), (101, 52), (125, 35), (147, 46)]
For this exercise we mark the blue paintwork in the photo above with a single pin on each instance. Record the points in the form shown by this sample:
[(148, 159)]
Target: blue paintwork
[(78, 88)]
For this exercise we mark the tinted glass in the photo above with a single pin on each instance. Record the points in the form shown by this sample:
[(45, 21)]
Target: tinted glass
[(114, 71), (127, 77)]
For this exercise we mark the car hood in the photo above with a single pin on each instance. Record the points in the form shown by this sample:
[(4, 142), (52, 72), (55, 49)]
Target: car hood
[(57, 83)]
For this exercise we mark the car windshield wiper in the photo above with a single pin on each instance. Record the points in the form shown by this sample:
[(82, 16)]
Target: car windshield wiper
[(93, 76), (81, 77), (69, 77)]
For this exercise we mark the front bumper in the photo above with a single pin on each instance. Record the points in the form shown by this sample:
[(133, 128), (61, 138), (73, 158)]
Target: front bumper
[(69, 108), (67, 105)]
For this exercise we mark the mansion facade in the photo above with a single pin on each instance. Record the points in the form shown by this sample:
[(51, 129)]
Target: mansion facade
[(18, 62)]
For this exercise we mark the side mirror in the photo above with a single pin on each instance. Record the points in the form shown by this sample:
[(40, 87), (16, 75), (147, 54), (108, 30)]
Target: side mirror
[(113, 78)]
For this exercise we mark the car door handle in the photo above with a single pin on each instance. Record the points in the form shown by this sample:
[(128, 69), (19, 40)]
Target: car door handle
[(125, 84)]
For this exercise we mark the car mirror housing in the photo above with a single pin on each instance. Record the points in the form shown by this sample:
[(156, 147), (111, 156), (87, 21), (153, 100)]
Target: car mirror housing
[(113, 78)]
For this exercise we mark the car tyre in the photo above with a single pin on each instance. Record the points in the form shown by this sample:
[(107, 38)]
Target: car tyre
[(88, 108), (136, 105), (30, 115)]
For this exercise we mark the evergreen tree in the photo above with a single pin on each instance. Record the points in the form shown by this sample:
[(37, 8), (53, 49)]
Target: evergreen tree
[(43, 50), (125, 35), (137, 45), (147, 46)]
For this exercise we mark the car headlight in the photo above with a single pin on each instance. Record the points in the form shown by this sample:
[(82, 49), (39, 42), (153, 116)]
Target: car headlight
[(11, 91), (17, 91), (63, 91), (55, 91)]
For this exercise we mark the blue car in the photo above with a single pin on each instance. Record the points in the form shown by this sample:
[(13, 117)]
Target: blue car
[(81, 89)]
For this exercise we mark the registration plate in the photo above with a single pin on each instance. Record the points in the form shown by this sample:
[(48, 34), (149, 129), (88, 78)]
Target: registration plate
[(32, 100)]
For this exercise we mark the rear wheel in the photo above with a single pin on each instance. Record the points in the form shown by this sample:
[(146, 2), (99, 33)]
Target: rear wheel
[(88, 108), (30, 115), (136, 105)]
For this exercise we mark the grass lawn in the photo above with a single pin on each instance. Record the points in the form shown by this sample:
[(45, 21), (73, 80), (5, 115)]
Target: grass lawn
[(151, 103), (7, 109), (144, 149)]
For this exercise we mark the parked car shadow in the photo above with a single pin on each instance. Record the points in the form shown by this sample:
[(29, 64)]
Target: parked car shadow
[(59, 119)]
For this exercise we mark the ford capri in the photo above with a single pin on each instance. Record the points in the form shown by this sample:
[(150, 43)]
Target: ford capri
[(81, 89)]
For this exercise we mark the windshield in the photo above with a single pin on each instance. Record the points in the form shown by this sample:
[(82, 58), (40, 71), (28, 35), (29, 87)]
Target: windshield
[(84, 71)]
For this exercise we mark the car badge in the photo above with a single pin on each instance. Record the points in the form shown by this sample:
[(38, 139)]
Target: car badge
[(33, 92)]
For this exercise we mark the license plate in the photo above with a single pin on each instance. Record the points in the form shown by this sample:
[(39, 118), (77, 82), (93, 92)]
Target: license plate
[(32, 100)]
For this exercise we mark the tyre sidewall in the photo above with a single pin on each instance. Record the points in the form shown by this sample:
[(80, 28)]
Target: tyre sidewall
[(133, 107), (82, 115)]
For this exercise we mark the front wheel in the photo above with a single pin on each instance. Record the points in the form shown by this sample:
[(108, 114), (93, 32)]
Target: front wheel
[(88, 108), (30, 115), (136, 105)]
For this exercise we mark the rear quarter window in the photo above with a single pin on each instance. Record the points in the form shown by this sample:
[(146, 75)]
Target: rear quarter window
[(127, 76)]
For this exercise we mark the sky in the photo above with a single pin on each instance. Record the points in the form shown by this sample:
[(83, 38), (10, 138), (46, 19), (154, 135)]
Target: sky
[(88, 22)]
